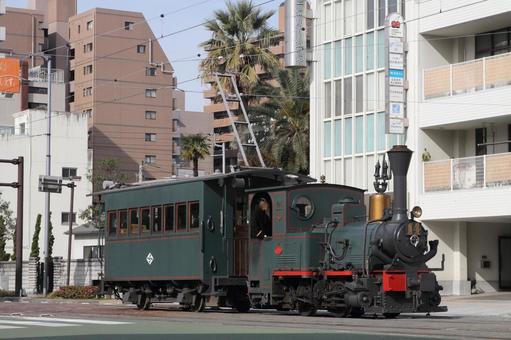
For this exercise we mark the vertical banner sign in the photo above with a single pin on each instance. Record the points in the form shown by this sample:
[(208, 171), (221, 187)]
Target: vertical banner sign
[(9, 75), (395, 75), (295, 35)]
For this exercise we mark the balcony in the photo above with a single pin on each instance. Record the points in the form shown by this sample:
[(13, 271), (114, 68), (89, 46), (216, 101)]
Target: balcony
[(471, 188), (39, 74)]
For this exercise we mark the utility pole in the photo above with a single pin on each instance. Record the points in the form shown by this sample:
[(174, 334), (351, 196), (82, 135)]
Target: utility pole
[(47, 196), (72, 186), (218, 145), (19, 220)]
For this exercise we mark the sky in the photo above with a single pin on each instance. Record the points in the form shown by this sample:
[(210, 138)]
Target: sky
[(178, 15)]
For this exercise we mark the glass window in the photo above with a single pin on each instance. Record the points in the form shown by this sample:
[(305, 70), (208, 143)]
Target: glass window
[(381, 91), (69, 172), (303, 207), (327, 141), (392, 140), (181, 216), (338, 137), (347, 136), (129, 25), (157, 226), (338, 58), (370, 14), (348, 17), (150, 115), (194, 215), (90, 25), (150, 71), (359, 53), (392, 4), (380, 130), (370, 133), (146, 220), (328, 22), (134, 219), (169, 217), (359, 134), (338, 97), (370, 97), (141, 49), (150, 137), (338, 19), (360, 23), (370, 51), (381, 12), (328, 100), (381, 48), (64, 218), (112, 222), (348, 100), (347, 56), (359, 94), (150, 93), (123, 222), (327, 61)]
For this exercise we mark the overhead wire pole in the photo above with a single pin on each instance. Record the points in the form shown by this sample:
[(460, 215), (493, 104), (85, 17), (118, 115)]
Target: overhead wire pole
[(47, 194)]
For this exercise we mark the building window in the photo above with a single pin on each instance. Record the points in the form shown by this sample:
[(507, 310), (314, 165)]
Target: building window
[(348, 100), (69, 172), (493, 43), (22, 128), (87, 91), (174, 105), (141, 49), (327, 135), (150, 93), (370, 14), (92, 252), (150, 137), (380, 131), (359, 54), (347, 57), (87, 69), (370, 133), (359, 94), (123, 222), (150, 115), (150, 159), (90, 25), (129, 25), (348, 17), (37, 106), (87, 48), (328, 21), (79, 28), (347, 136), (112, 222), (133, 223), (338, 97), (150, 71), (88, 112), (381, 48), (359, 134), (327, 61), (338, 59), (328, 100), (64, 218), (38, 90), (370, 51), (338, 137)]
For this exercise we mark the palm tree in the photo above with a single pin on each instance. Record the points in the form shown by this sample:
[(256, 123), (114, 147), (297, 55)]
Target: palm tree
[(283, 121), (193, 148), (239, 44)]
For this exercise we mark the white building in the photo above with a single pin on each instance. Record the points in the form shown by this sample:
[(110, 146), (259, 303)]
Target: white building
[(69, 158), (458, 103)]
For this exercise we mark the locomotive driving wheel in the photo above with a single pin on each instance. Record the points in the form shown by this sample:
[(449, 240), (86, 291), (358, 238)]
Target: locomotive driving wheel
[(198, 305), (306, 309), (143, 302)]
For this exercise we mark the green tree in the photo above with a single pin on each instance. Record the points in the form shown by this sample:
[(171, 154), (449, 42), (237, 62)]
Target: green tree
[(51, 239), (240, 37), (7, 225), (193, 148), (282, 121), (107, 169), (34, 251)]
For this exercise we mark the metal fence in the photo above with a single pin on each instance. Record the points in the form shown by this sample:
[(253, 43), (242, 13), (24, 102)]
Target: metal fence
[(467, 173), (41, 74), (470, 76)]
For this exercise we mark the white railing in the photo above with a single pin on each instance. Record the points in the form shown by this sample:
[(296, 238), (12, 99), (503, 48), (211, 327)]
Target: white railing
[(467, 173), (470, 76), (41, 74)]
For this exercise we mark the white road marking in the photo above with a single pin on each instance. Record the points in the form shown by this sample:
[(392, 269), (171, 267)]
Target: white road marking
[(8, 327), (84, 321), (35, 323)]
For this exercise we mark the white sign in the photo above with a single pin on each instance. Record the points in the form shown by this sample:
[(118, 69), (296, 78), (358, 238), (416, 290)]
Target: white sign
[(396, 45), (396, 25), (396, 125), (396, 94), (396, 110), (149, 258), (396, 61)]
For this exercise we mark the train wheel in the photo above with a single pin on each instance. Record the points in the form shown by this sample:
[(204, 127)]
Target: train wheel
[(242, 306), (143, 302), (306, 309), (390, 315), (198, 305), (356, 312), (340, 312)]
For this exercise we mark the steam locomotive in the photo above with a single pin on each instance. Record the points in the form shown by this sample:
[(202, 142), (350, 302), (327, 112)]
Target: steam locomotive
[(200, 242)]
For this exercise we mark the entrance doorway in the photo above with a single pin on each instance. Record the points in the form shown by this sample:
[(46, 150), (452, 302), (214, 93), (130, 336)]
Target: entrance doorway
[(505, 262)]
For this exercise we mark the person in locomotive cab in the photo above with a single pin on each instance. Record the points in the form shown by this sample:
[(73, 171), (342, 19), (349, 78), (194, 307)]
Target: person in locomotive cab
[(261, 220)]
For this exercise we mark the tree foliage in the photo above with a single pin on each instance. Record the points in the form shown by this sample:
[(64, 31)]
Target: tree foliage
[(35, 250), (51, 239), (108, 169), (7, 226), (193, 148)]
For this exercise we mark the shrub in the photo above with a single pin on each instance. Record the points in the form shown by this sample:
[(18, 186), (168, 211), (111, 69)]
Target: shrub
[(7, 293), (75, 292)]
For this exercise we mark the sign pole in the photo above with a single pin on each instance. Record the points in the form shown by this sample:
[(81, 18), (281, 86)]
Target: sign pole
[(19, 230), (47, 194), (70, 235)]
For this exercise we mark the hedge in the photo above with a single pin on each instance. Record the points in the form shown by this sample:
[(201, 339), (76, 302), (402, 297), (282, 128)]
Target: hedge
[(75, 292), (7, 293)]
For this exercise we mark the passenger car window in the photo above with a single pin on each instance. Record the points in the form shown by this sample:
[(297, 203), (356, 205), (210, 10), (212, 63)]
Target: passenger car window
[(303, 207), (146, 220), (156, 219), (181, 216), (169, 217), (112, 222), (123, 222), (194, 215), (134, 219)]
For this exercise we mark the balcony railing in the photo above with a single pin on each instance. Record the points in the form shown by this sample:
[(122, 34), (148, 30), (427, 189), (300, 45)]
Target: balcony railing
[(466, 77), (41, 74), (488, 171)]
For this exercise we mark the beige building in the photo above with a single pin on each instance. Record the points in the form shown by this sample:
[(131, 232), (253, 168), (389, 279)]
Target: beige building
[(121, 76)]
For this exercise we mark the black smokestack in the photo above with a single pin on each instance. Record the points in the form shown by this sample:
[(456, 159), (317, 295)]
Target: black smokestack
[(399, 157)]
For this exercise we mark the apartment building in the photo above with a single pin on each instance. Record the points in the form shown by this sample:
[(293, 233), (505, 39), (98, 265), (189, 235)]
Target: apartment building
[(122, 78), (458, 121)]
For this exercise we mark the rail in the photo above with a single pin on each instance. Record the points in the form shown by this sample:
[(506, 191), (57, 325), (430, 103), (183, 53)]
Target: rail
[(466, 77), (488, 171), (41, 74)]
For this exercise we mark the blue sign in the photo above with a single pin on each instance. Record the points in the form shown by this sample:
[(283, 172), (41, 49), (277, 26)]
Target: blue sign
[(396, 73)]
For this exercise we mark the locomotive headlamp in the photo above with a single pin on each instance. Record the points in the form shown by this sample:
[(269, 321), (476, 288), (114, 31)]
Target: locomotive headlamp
[(417, 212)]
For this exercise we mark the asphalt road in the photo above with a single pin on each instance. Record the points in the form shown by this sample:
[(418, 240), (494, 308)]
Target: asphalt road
[(92, 320)]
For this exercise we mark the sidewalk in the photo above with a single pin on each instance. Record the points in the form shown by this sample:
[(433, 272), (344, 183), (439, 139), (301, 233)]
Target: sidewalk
[(487, 304)]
